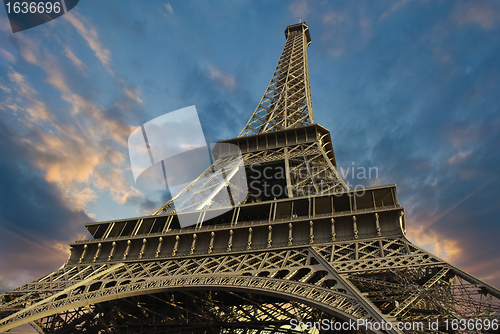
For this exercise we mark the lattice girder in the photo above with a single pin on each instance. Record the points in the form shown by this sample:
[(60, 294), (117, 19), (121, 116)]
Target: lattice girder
[(305, 157), (192, 311), (295, 267), (444, 291), (408, 283), (286, 102)]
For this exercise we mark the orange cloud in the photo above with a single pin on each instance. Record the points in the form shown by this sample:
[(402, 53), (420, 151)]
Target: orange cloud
[(438, 244), (133, 94), (81, 156), (36, 109)]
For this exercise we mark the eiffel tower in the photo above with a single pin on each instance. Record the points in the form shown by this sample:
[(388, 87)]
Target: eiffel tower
[(313, 251)]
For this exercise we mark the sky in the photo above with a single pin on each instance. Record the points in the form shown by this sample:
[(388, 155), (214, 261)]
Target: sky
[(410, 88)]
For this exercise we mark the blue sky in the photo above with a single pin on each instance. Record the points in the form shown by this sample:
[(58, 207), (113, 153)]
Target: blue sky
[(409, 87)]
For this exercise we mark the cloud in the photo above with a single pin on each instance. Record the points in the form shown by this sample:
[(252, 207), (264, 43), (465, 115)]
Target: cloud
[(7, 55), (482, 13), (299, 9), (35, 108), (345, 29), (459, 157), (85, 153), (74, 160), (461, 133), (5, 25), (104, 55), (40, 259), (77, 62), (101, 123), (333, 18), (437, 243), (169, 8), (61, 150), (418, 100), (133, 94), (395, 7), (92, 38), (29, 49), (225, 80), (35, 219)]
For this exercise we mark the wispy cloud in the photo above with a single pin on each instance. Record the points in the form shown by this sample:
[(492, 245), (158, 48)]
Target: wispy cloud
[(134, 94), (35, 108), (461, 133), (29, 49), (485, 14), (74, 159), (459, 157), (340, 24), (77, 62), (217, 75), (395, 7), (7, 55), (67, 149), (91, 36), (169, 8), (333, 18)]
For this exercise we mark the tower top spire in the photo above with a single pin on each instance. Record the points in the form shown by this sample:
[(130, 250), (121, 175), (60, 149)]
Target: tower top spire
[(299, 28), (286, 102)]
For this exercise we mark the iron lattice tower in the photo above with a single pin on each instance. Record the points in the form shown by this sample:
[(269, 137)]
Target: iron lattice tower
[(317, 251)]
